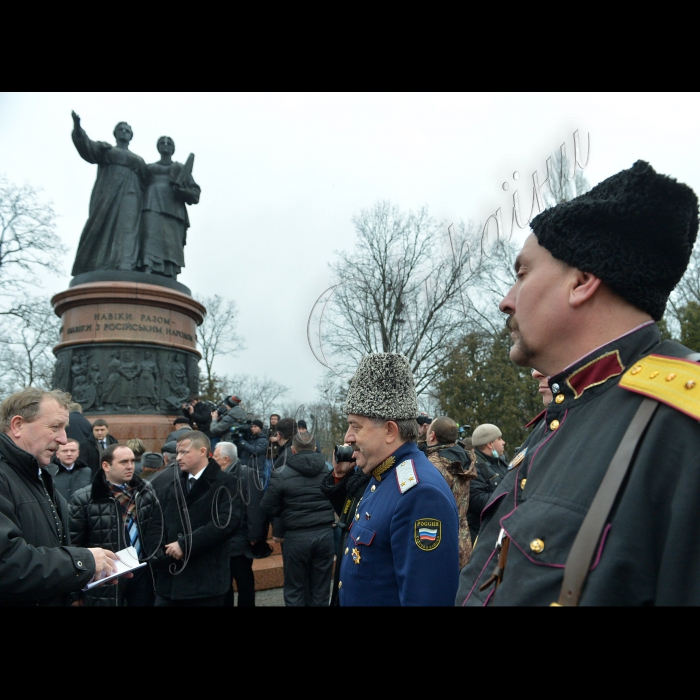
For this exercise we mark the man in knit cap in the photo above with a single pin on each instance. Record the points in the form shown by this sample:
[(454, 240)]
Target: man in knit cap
[(599, 506), (402, 546), (491, 467)]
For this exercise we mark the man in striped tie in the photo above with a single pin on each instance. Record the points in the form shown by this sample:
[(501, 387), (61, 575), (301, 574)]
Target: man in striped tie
[(117, 510)]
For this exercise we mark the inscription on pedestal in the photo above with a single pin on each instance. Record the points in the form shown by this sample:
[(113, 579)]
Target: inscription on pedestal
[(126, 322)]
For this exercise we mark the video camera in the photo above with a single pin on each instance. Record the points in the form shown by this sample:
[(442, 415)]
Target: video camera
[(241, 430), (224, 407)]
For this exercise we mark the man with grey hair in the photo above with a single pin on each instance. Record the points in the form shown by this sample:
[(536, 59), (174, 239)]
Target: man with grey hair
[(37, 564), (402, 546), (489, 446), (241, 556)]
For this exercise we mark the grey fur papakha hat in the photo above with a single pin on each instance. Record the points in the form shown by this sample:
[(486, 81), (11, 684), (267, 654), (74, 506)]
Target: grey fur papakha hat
[(383, 388)]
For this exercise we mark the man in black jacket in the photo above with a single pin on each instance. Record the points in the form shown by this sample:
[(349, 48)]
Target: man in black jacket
[(202, 510), (252, 451), (78, 426), (69, 473), (307, 552), (490, 469), (199, 414), (39, 567), (182, 425), (241, 554), (91, 449), (117, 510), (343, 487), (617, 524)]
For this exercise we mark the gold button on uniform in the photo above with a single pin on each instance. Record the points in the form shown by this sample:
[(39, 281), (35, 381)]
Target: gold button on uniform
[(689, 384), (537, 546), (522, 483), (374, 488), (671, 377), (347, 549), (340, 584), (636, 370), (560, 398), (554, 425), (654, 374), (357, 516)]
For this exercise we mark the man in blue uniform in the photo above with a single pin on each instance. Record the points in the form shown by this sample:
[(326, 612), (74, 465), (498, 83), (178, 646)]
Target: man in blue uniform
[(402, 547), (600, 505)]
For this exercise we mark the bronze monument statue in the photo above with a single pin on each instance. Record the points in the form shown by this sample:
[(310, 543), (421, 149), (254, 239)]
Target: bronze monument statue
[(138, 219), (110, 239), (164, 221)]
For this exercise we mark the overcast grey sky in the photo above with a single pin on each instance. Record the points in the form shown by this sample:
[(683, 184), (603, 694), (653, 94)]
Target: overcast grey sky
[(283, 174)]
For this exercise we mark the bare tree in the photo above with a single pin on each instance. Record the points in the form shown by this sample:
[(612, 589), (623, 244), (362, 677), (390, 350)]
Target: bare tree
[(27, 235), (217, 336), (259, 394), (27, 338), (404, 288)]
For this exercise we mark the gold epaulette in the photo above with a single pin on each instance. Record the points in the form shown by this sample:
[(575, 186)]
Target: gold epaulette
[(670, 380)]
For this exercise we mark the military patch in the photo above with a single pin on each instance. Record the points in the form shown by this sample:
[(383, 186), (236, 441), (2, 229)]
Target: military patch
[(406, 476), (427, 533), (517, 459)]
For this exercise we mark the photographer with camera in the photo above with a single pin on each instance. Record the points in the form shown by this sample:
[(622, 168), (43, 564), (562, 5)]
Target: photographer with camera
[(252, 450), (343, 487), (226, 416), (198, 413)]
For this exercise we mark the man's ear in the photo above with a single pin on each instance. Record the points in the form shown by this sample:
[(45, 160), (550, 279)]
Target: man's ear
[(392, 431), (16, 426), (583, 286)]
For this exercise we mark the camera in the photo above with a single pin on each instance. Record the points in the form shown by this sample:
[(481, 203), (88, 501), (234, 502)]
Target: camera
[(343, 453), (224, 406), (242, 430)]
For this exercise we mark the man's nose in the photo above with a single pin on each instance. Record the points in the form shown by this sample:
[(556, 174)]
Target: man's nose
[(507, 305)]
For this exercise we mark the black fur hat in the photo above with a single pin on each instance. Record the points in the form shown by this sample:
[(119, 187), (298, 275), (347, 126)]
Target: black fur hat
[(635, 231)]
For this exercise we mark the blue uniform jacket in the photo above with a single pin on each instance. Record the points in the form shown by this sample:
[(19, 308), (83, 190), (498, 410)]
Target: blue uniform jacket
[(402, 548)]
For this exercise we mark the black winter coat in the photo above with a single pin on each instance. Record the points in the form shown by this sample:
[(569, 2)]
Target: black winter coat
[(90, 452), (344, 497), (68, 481), (201, 417), (247, 481), (252, 452), (214, 510), (294, 494), (490, 472), (96, 521), (79, 427), (37, 567)]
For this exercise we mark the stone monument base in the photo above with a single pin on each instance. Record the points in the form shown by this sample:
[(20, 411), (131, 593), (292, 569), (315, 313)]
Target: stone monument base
[(128, 353)]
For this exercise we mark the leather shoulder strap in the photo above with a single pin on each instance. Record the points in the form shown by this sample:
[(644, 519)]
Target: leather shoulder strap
[(581, 554)]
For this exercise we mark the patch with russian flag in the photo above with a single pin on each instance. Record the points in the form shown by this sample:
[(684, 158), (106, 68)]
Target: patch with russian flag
[(427, 533)]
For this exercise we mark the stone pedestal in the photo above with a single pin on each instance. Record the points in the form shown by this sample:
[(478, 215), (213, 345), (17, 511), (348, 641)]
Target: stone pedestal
[(128, 353)]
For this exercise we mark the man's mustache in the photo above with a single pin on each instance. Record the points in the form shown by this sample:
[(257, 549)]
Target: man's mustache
[(511, 324)]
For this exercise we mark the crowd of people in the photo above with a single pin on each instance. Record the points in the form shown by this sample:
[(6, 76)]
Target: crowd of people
[(596, 507)]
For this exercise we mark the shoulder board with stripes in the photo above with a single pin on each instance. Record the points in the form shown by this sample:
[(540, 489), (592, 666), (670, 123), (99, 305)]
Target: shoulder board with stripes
[(670, 380)]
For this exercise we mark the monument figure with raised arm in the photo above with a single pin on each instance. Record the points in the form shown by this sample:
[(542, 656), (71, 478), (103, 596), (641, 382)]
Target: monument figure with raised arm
[(110, 238), (164, 221)]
